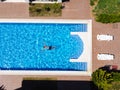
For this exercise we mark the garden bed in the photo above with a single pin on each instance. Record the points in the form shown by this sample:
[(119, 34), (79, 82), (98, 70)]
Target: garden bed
[(106, 11), (37, 10)]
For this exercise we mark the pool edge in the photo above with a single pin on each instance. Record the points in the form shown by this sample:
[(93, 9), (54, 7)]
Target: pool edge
[(76, 73)]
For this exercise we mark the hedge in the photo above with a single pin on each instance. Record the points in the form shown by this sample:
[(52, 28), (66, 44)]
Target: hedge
[(116, 76), (108, 18)]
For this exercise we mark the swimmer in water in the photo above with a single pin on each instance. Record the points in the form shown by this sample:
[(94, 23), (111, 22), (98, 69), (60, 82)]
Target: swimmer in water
[(48, 47)]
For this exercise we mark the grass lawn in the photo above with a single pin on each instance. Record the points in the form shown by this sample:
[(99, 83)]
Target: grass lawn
[(107, 11), (115, 86), (36, 10), (108, 7)]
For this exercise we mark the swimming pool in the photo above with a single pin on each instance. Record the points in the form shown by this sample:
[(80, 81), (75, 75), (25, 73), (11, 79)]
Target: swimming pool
[(22, 46)]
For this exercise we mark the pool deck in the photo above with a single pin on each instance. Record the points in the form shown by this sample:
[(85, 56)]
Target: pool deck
[(14, 10), (75, 9)]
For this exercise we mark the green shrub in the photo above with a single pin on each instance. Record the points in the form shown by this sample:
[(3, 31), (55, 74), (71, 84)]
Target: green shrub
[(56, 7), (115, 86), (102, 79), (47, 7), (116, 76), (108, 18), (92, 2)]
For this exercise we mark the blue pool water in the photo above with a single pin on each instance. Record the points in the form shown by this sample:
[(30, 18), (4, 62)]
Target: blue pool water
[(22, 46)]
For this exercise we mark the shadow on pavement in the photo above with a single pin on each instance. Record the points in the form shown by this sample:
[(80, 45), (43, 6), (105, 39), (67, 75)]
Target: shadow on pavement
[(56, 85)]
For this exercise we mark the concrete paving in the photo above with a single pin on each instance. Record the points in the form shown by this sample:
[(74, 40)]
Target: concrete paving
[(14, 10)]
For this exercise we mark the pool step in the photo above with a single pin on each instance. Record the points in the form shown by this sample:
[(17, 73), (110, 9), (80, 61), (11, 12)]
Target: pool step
[(80, 66)]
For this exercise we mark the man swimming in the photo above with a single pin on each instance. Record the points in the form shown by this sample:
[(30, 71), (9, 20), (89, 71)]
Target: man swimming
[(48, 47)]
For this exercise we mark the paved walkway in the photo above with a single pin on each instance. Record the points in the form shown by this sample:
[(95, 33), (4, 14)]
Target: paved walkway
[(14, 10), (76, 9), (112, 47)]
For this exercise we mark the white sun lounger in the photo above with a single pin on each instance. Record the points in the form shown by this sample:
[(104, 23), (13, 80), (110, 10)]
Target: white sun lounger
[(105, 56), (104, 37)]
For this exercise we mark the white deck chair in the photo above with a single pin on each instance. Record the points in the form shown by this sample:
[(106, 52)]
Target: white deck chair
[(104, 37), (105, 56)]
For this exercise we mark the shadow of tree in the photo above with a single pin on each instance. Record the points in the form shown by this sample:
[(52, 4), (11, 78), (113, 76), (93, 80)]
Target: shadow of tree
[(56, 85), (65, 0), (2, 87)]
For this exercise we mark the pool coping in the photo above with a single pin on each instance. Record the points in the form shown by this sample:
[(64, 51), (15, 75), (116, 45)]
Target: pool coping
[(30, 72), (46, 21)]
